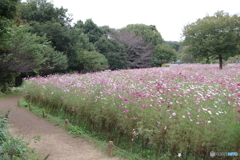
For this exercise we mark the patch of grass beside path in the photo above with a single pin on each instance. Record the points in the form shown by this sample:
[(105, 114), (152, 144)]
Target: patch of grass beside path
[(14, 91)]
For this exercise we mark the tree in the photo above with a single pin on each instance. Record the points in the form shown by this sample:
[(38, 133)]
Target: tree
[(92, 31), (163, 53), (55, 32), (139, 52), (79, 42), (7, 13), (92, 61), (174, 44), (54, 23), (148, 32), (30, 53), (42, 11), (48, 20), (215, 37), (113, 51)]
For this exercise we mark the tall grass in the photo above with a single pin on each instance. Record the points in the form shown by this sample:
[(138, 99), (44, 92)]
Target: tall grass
[(186, 111)]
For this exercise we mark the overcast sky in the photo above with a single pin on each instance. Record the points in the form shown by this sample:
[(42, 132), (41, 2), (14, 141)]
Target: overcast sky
[(169, 16)]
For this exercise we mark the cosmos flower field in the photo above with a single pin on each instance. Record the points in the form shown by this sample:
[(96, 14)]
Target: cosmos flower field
[(185, 110)]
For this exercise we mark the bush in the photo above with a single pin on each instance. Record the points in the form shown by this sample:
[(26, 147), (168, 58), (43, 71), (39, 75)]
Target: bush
[(165, 65), (7, 80)]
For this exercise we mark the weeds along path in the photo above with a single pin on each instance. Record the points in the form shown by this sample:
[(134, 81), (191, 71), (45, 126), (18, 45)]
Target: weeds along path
[(54, 140)]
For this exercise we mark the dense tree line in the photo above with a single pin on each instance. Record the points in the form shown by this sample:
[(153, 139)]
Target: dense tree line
[(38, 38)]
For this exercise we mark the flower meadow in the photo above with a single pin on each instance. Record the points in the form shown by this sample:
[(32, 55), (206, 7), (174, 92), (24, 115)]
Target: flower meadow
[(185, 110)]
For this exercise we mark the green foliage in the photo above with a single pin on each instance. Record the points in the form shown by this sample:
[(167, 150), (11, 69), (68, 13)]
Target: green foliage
[(42, 11), (30, 53), (55, 32), (113, 51), (92, 31), (79, 42), (174, 44), (165, 65), (235, 59), (64, 39), (10, 146), (92, 61), (163, 53), (7, 13), (7, 80), (148, 32), (8, 8), (213, 36), (187, 58)]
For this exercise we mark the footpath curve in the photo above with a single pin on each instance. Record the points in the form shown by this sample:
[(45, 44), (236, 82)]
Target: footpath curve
[(54, 140)]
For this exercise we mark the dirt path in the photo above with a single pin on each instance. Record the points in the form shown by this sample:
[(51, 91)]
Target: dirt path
[(54, 140)]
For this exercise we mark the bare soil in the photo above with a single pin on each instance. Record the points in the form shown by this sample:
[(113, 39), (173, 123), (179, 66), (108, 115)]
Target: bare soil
[(54, 140)]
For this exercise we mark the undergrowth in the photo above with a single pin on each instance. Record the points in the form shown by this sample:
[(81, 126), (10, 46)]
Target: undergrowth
[(13, 147)]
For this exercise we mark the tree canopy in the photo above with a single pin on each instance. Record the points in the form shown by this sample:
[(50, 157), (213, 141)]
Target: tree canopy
[(42, 11), (113, 51), (30, 53), (163, 53), (215, 37), (148, 32), (37, 37), (139, 52)]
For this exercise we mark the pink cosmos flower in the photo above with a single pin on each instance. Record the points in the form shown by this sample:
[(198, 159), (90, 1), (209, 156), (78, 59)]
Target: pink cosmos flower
[(238, 118), (238, 111), (125, 111), (188, 113)]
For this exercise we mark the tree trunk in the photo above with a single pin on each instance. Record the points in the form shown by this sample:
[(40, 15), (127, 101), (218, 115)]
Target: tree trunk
[(220, 61)]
